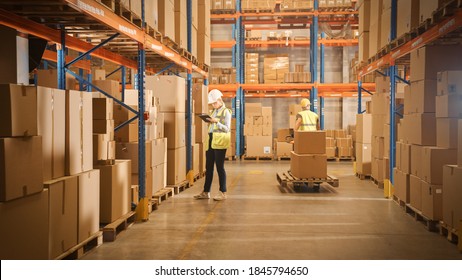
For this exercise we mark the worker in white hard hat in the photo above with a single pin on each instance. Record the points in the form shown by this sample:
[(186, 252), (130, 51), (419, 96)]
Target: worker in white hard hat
[(306, 120), (219, 139)]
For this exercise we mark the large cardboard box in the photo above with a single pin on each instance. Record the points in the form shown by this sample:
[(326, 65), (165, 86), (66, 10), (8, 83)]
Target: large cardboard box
[(331, 152), (110, 87), (49, 78), (416, 160), (449, 82), (433, 160), (427, 7), (427, 61), (446, 133), (203, 48), (423, 94), (308, 165), (88, 204), (203, 24), (51, 118), (310, 142), (20, 167), (363, 158), (364, 46), (63, 194), (364, 16), (423, 128), (401, 186), (253, 109), (202, 157), (18, 110), (408, 16), (159, 151), (122, 114), (103, 108), (174, 124), (195, 159), (200, 92), (406, 158), (176, 165), (181, 32), (415, 192), (345, 151), (25, 231), (130, 151), (103, 148), (432, 201), (79, 137), (159, 177), (259, 146), (385, 27), (103, 127), (283, 134), (170, 90), (363, 128), (330, 142), (283, 149), (452, 195), (166, 18), (115, 190), (448, 106), (127, 133)]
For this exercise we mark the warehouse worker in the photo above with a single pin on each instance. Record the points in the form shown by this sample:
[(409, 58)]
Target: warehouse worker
[(306, 120), (219, 139)]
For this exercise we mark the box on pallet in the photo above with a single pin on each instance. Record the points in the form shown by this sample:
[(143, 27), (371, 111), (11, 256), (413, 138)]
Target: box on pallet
[(18, 110), (415, 192), (88, 204), (401, 187), (308, 165), (310, 142), (452, 195)]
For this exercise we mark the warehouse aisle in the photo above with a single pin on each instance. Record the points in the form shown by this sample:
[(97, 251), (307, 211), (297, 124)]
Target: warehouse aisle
[(258, 221)]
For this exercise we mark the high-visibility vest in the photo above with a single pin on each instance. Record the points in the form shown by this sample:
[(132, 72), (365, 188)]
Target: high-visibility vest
[(221, 140), (309, 121)]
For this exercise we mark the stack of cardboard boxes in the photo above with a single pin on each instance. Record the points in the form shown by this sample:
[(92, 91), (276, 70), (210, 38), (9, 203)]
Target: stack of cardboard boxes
[(259, 5), (258, 130), (282, 145), (333, 3), (223, 75), (363, 144), (427, 132), (299, 76), (275, 67), (203, 32), (200, 92), (290, 5), (364, 8), (223, 4), (251, 68), (344, 144), (308, 159), (331, 150), (294, 109)]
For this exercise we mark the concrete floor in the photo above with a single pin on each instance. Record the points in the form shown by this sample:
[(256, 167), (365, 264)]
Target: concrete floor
[(259, 222)]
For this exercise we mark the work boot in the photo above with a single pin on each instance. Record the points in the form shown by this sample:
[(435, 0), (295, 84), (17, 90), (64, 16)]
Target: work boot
[(220, 196), (202, 195)]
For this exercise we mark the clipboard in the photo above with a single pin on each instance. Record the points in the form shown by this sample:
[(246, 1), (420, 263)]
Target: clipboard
[(204, 117)]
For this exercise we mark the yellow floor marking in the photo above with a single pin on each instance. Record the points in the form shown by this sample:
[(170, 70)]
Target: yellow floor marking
[(255, 172)]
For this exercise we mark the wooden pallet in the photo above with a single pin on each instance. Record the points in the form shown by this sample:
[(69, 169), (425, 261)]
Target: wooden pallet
[(194, 60), (127, 14), (286, 179), (305, 10), (257, 158), (105, 162), (400, 202), (184, 53), (203, 66), (283, 158), (429, 224), (362, 176), (153, 205), (154, 34), (344, 159), (110, 4), (171, 44), (222, 11), (253, 38), (257, 10), (82, 248), (379, 184), (179, 187), (163, 194), (450, 233), (110, 231)]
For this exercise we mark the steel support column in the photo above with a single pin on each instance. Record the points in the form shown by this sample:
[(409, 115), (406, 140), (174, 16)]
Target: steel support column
[(189, 115), (321, 80), (61, 64), (393, 73), (314, 57)]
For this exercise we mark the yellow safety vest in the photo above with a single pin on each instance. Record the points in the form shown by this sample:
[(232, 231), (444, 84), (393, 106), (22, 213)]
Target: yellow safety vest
[(221, 140), (309, 121)]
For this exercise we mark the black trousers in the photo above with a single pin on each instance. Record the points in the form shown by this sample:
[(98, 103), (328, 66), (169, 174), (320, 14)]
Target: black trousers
[(215, 157)]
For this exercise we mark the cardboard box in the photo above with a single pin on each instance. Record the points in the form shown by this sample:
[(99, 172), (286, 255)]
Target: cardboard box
[(202, 157), (385, 27), (344, 142), (386, 168), (423, 96), (308, 165), (378, 147), (364, 16), (259, 146), (330, 142), (88, 204), (130, 151), (452, 195), (122, 114), (159, 151), (18, 110), (416, 160), (166, 18), (195, 159), (51, 118), (176, 165), (174, 124), (115, 184), (128, 133), (21, 218), (18, 157), (408, 16), (310, 142), (103, 148), (459, 144), (415, 192), (364, 128), (340, 133), (363, 158), (79, 137), (103, 108), (203, 48), (203, 25), (345, 151), (406, 158), (253, 109), (200, 92), (449, 82), (448, 106), (110, 87), (49, 78), (283, 134), (433, 160), (63, 195), (292, 119), (427, 7), (423, 128), (446, 133), (401, 187), (170, 90), (331, 152), (135, 179), (283, 149), (181, 32), (429, 60), (159, 177), (432, 201), (103, 127)]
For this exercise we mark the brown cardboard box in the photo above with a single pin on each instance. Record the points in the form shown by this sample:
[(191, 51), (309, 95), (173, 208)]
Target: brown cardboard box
[(166, 18), (122, 114), (331, 152), (449, 82), (363, 128), (416, 160), (18, 157), (446, 133), (103, 148), (340, 133), (448, 106), (308, 165), (282, 134), (344, 142), (175, 130), (51, 118), (283, 149), (170, 90), (415, 192), (202, 157), (135, 179), (176, 165), (203, 25), (459, 144), (253, 109), (408, 103), (363, 158), (432, 201), (103, 109), (386, 168), (345, 151), (423, 94), (128, 133), (159, 151), (433, 160), (115, 185), (310, 142), (377, 124), (21, 218), (63, 195), (130, 151), (88, 204), (423, 129), (103, 127), (452, 195), (49, 78), (181, 32), (429, 60), (364, 16), (111, 87), (399, 155), (203, 48), (200, 92), (381, 103), (330, 142), (408, 16), (382, 85), (79, 137), (259, 146), (196, 162), (406, 158), (401, 187), (364, 46), (159, 177), (378, 147), (426, 8), (292, 119), (134, 193), (18, 110), (385, 27)]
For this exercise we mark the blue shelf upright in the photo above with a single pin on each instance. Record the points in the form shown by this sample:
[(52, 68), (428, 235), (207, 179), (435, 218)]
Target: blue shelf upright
[(189, 108), (238, 62), (321, 80), (314, 57)]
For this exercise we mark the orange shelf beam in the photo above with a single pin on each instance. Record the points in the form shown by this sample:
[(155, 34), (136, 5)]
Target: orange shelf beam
[(446, 26), (287, 14), (222, 44), (294, 43), (53, 56)]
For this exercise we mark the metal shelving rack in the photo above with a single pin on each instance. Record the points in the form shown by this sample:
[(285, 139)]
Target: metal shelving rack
[(127, 43), (448, 20)]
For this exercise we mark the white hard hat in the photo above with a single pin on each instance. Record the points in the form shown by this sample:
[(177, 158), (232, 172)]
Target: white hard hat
[(213, 96)]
